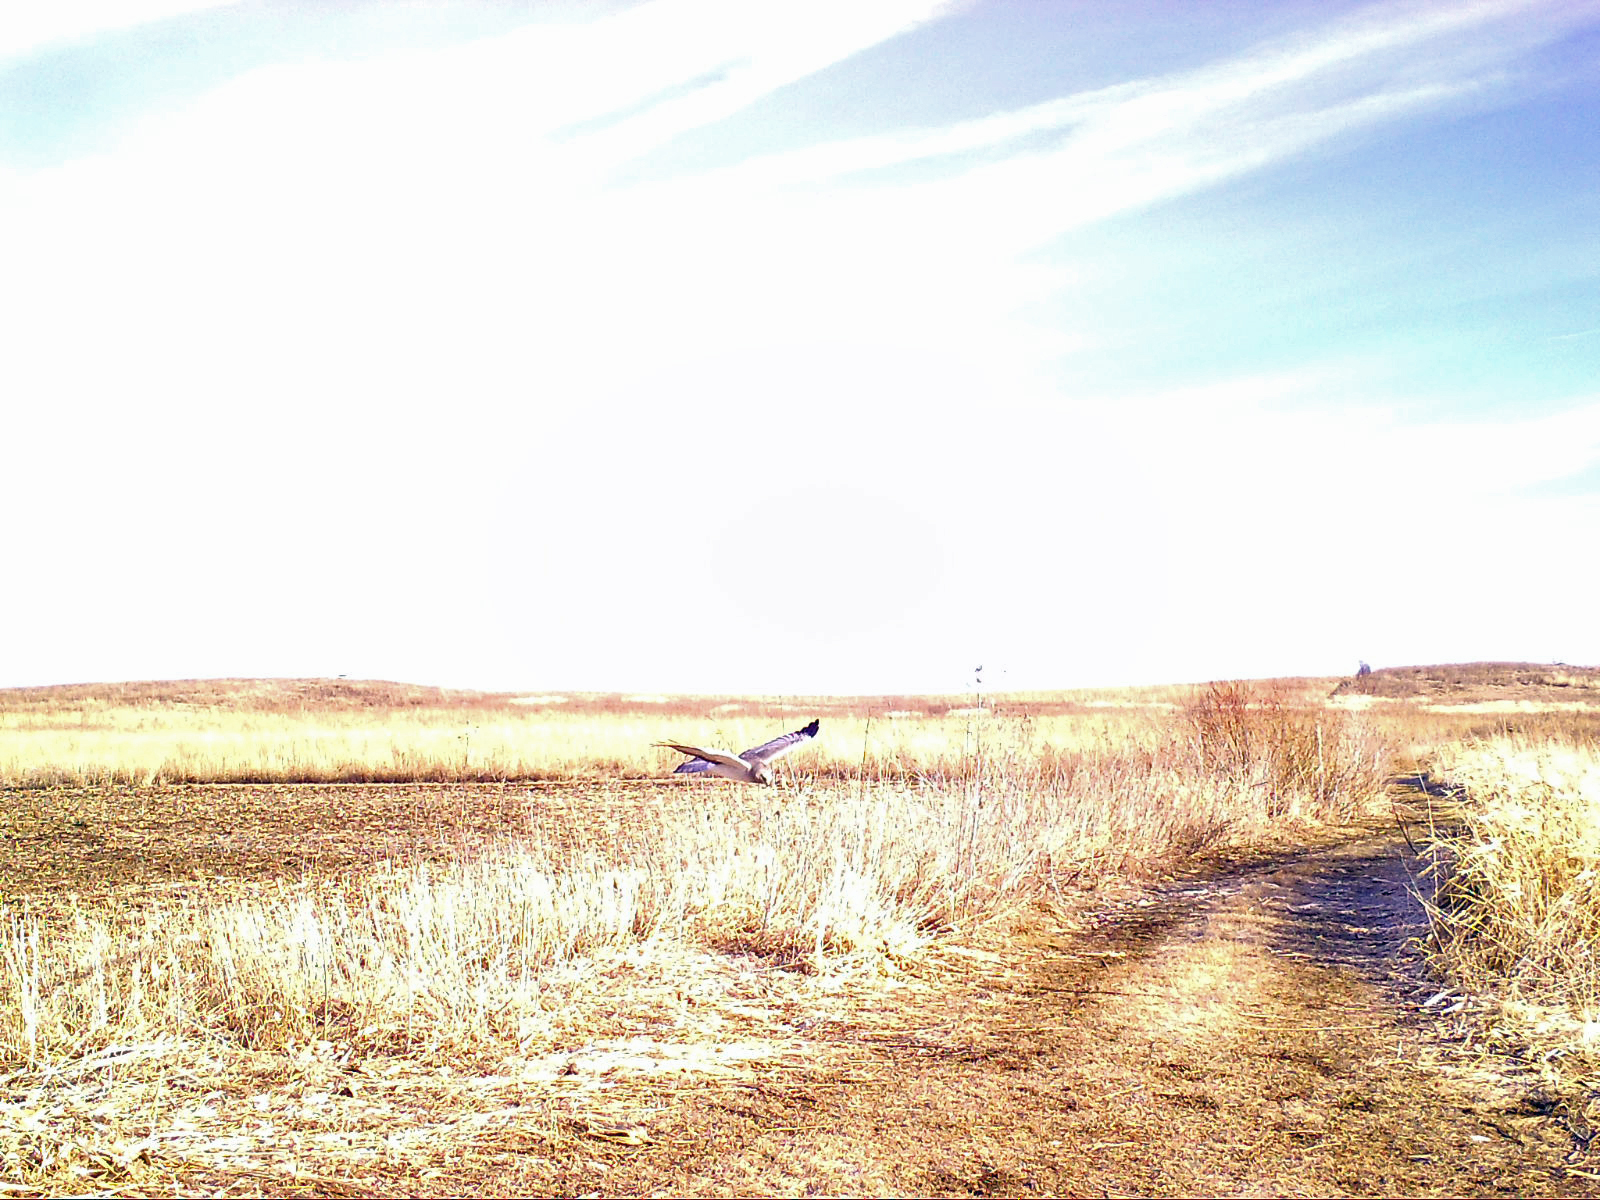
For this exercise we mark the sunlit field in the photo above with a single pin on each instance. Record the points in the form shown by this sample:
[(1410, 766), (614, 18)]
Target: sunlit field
[(322, 731), (224, 894), (336, 731)]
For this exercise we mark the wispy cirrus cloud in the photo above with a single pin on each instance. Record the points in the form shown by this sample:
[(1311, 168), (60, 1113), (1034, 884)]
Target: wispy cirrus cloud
[(467, 166), (1077, 159), (28, 27), (712, 58)]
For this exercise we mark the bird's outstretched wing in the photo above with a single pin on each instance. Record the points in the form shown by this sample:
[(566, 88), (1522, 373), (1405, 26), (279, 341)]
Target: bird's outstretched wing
[(768, 751), (706, 756)]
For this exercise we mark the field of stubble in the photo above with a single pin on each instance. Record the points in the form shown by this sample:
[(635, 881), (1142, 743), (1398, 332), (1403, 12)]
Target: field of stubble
[(1005, 947)]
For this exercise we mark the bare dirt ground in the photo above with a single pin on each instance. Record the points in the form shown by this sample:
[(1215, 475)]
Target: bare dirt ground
[(1248, 1030), (1254, 1026)]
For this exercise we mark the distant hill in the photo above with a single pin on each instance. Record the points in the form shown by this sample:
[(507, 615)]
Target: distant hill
[(259, 695), (373, 695), (1451, 683), (335, 695), (1473, 683)]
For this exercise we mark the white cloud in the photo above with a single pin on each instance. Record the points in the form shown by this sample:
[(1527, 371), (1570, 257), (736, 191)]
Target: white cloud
[(418, 177), (383, 321), (1133, 144), (30, 27)]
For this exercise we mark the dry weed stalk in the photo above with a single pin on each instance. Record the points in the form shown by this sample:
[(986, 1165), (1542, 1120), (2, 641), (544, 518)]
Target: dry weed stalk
[(1311, 760), (1518, 897), (1515, 909)]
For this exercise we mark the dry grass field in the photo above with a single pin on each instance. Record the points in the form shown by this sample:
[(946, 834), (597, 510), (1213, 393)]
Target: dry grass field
[(336, 937), (335, 731)]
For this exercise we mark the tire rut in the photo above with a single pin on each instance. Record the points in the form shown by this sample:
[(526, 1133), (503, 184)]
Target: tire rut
[(1244, 1031)]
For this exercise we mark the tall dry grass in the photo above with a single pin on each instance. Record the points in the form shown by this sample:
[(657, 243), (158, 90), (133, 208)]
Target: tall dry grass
[(1516, 909), (146, 745), (871, 867), (1515, 904), (343, 731), (1304, 758), (908, 835)]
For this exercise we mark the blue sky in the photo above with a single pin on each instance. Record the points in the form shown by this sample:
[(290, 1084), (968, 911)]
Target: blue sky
[(827, 347)]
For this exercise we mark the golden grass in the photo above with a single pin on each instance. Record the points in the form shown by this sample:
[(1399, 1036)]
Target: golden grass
[(1515, 900), (83, 740), (1517, 909), (891, 848), (339, 731), (876, 869), (913, 823)]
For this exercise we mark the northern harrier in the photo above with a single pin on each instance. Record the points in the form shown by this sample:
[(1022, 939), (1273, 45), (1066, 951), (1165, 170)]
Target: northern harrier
[(749, 767)]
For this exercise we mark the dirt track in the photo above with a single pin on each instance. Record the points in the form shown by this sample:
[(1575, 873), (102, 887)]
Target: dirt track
[(1253, 1028), (1248, 1031)]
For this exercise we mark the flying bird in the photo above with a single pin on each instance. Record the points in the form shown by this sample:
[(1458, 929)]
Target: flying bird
[(753, 766)]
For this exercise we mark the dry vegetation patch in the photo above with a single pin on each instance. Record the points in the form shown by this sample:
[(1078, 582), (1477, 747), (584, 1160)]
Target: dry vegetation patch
[(508, 967), (350, 731), (1516, 901), (1475, 683)]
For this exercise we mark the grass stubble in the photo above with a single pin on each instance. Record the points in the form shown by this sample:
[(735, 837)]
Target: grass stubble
[(423, 1018)]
